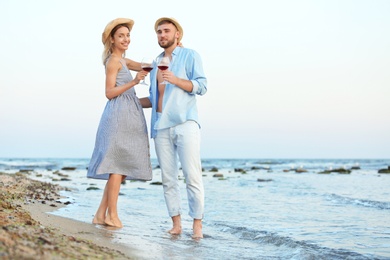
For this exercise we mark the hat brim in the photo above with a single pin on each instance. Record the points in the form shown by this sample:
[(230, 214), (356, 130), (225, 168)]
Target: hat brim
[(172, 20), (111, 25)]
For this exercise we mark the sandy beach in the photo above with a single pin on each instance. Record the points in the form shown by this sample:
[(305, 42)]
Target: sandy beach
[(29, 231), (255, 209)]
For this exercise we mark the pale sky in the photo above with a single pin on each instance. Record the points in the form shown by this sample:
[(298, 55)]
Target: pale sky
[(286, 79)]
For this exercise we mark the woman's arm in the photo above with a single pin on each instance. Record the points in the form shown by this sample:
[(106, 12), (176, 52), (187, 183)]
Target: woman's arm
[(133, 65), (113, 66)]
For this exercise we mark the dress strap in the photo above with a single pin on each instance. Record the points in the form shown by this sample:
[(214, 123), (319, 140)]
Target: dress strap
[(123, 62)]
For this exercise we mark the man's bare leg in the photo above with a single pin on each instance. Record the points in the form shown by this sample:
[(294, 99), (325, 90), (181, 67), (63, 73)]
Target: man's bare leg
[(176, 229), (197, 229)]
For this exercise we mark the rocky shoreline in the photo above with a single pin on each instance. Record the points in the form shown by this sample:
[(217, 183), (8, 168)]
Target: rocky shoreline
[(29, 232)]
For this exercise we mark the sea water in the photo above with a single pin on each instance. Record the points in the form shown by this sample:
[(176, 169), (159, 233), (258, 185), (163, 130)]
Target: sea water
[(258, 209)]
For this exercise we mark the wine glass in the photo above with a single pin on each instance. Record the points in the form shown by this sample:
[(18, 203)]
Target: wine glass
[(147, 65), (163, 64)]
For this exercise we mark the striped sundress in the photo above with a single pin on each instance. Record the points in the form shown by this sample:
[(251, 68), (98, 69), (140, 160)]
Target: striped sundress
[(122, 143)]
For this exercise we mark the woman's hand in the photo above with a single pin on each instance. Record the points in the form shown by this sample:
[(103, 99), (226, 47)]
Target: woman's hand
[(140, 76)]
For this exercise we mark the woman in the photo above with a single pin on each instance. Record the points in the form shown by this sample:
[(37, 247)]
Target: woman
[(122, 146)]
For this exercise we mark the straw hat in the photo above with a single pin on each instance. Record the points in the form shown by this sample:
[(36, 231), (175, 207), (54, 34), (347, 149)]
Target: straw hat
[(111, 25), (172, 20)]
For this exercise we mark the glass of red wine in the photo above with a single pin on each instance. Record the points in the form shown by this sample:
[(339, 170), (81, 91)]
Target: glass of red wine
[(163, 64), (147, 65)]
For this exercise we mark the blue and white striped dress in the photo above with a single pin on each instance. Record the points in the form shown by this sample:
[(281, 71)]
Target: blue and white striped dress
[(122, 143)]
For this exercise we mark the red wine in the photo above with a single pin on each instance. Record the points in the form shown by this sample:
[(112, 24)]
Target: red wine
[(163, 67), (148, 69)]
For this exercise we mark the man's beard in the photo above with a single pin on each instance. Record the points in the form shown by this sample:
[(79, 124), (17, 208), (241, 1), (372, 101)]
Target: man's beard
[(168, 44)]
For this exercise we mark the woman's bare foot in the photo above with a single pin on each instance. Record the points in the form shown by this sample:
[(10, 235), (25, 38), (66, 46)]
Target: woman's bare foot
[(197, 229), (113, 222), (98, 221)]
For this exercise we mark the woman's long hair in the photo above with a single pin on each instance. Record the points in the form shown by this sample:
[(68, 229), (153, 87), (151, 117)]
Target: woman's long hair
[(108, 44)]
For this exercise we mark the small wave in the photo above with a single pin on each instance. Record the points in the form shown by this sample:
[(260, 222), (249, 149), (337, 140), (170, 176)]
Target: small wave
[(292, 249), (361, 202), (23, 164), (269, 162)]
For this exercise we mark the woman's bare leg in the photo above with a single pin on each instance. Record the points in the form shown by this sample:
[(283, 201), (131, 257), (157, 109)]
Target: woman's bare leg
[(100, 214), (113, 187)]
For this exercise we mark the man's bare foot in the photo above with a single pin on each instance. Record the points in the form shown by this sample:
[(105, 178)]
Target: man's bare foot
[(197, 229), (176, 230), (113, 222)]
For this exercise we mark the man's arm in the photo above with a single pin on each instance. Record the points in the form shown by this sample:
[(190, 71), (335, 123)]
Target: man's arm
[(196, 83), (184, 84), (145, 102), (198, 77)]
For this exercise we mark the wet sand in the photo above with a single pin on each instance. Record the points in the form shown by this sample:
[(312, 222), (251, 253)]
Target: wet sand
[(28, 231)]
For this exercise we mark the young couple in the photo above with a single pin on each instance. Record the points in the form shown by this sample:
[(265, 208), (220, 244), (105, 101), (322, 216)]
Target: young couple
[(122, 147)]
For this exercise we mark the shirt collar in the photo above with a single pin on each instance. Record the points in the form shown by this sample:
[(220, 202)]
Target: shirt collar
[(175, 52)]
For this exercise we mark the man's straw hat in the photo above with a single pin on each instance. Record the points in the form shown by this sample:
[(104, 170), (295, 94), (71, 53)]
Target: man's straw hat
[(172, 20), (111, 25)]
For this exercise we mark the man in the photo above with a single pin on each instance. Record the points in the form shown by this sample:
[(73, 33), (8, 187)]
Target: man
[(174, 123)]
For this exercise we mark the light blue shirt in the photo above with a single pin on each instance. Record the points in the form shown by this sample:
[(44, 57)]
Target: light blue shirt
[(178, 105)]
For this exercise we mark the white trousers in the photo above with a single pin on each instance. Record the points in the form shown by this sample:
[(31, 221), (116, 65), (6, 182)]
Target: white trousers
[(181, 142)]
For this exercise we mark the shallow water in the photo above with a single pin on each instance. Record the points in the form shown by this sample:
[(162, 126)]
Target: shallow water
[(289, 215)]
